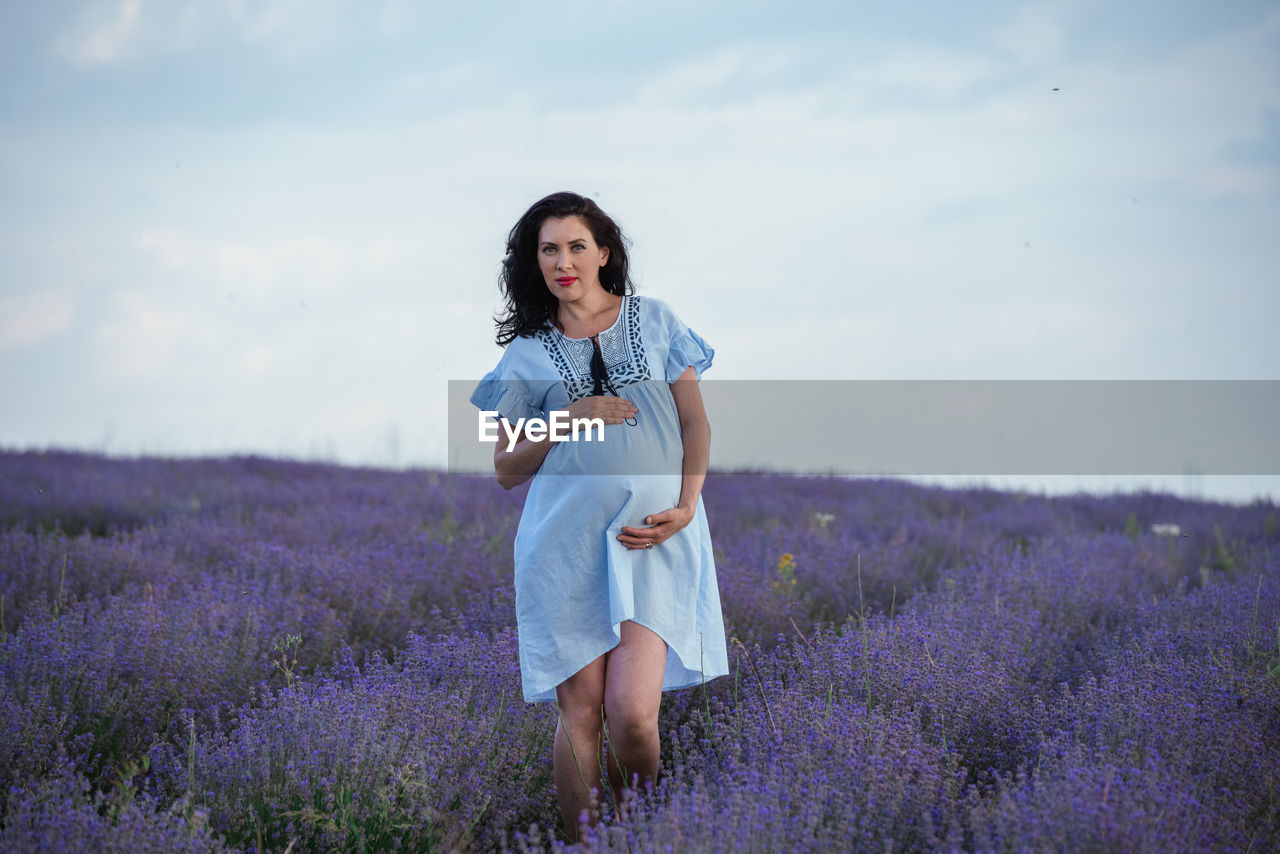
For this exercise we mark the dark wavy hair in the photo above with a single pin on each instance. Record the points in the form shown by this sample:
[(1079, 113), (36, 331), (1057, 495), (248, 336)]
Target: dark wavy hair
[(529, 304)]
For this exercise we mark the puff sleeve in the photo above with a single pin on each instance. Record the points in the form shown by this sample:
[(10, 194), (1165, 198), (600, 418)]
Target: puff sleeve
[(508, 390), (686, 348)]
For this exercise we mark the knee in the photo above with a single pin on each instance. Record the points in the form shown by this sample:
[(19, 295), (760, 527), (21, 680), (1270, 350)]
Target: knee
[(581, 717), (631, 724)]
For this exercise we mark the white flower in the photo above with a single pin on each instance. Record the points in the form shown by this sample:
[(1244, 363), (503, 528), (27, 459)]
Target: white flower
[(822, 519), (1166, 529)]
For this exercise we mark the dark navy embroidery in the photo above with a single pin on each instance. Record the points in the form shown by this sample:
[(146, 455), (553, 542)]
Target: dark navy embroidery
[(620, 345)]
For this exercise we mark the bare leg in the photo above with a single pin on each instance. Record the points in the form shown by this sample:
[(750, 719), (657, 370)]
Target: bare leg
[(632, 698), (576, 757)]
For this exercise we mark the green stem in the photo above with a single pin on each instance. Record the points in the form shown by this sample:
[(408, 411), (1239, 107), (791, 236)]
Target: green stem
[(577, 763), (191, 758), (759, 682), (62, 577), (866, 643), (385, 602), (604, 771), (1253, 625), (706, 698)]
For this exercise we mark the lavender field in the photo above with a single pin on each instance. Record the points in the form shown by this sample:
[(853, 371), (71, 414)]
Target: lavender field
[(256, 655)]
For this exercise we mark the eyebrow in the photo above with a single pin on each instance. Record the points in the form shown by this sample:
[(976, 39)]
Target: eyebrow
[(574, 240)]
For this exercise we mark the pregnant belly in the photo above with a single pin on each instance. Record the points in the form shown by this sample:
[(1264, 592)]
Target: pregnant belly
[(622, 451), (576, 517), (651, 446)]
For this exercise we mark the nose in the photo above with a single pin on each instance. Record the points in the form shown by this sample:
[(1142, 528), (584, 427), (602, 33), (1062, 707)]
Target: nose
[(562, 261)]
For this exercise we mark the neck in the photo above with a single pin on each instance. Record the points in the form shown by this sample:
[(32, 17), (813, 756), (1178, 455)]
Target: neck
[(582, 311)]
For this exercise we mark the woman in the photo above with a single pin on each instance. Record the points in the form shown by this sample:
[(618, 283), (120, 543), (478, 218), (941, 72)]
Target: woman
[(616, 595)]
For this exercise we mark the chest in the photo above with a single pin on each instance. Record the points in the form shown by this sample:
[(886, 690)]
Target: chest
[(622, 349)]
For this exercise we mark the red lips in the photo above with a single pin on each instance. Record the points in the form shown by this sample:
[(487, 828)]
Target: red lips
[(565, 281)]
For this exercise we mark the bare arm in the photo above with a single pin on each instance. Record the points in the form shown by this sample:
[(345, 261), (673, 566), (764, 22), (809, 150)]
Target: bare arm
[(696, 431), (516, 463), (513, 467)]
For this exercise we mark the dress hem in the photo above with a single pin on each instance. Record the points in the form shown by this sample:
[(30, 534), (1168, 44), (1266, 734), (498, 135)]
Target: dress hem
[(548, 695)]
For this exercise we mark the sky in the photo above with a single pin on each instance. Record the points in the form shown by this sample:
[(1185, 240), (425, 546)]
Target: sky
[(275, 227)]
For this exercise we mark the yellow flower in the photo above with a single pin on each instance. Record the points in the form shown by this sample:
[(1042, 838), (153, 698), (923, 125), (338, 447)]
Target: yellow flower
[(786, 573)]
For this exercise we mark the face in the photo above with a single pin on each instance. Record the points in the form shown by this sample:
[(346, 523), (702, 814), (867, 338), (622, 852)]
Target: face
[(569, 257)]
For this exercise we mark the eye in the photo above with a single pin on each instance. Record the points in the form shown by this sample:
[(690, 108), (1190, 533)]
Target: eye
[(579, 247), (548, 250)]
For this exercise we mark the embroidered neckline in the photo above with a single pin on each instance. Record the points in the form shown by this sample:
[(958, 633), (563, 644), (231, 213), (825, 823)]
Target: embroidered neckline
[(621, 347)]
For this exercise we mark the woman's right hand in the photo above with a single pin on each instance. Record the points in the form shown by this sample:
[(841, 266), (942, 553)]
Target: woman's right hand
[(606, 407)]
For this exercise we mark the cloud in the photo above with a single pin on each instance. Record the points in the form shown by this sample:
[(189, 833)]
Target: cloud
[(108, 32), (1244, 181), (905, 211), (30, 318), (724, 73), (268, 316), (143, 338), (1034, 37), (954, 338), (258, 269), (1006, 188), (104, 34)]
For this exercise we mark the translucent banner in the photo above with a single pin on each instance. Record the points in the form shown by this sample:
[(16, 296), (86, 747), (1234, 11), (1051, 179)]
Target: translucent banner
[(922, 427)]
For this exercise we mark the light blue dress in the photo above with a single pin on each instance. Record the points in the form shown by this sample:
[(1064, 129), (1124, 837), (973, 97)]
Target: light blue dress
[(574, 582)]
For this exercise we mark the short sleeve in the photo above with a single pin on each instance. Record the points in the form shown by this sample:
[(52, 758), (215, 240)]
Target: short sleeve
[(508, 390), (685, 347)]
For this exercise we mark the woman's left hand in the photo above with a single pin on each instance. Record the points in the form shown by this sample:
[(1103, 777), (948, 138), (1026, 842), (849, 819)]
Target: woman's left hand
[(662, 526)]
